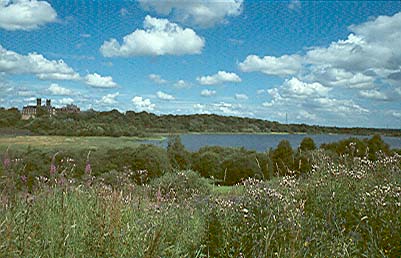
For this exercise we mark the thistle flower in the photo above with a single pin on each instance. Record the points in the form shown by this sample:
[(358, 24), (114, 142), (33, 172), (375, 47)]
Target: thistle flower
[(24, 179), (53, 168), (6, 160)]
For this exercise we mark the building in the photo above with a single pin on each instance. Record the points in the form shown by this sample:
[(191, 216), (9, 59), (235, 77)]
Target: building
[(31, 111)]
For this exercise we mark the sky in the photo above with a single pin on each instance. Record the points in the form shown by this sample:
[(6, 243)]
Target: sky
[(334, 63)]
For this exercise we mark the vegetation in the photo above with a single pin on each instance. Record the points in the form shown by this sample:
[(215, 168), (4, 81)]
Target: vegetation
[(113, 123), (346, 205)]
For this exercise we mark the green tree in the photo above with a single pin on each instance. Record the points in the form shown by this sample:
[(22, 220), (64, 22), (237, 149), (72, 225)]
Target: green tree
[(178, 156), (307, 144), (283, 158)]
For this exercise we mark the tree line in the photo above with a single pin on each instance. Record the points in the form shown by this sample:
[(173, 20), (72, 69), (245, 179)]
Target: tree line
[(130, 123)]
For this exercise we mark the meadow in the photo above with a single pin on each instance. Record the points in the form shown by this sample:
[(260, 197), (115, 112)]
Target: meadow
[(345, 205), (71, 142)]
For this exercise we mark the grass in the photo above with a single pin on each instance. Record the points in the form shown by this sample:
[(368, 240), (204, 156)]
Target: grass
[(70, 143), (348, 207)]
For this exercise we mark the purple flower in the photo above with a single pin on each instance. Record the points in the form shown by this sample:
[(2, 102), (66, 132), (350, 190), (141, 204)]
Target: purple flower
[(6, 160), (24, 179), (53, 168), (88, 168)]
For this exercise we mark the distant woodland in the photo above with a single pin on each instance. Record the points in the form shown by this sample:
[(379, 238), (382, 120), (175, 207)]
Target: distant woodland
[(130, 123)]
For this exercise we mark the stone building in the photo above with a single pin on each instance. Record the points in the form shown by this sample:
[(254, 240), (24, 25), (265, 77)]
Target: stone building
[(31, 111)]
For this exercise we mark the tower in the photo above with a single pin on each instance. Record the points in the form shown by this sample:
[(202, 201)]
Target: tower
[(48, 102), (38, 102)]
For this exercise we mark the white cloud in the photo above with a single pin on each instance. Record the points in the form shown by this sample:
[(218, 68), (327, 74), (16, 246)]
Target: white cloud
[(294, 4), (241, 96), (124, 12), (208, 93), (109, 99), (33, 63), (226, 108), (261, 91), (204, 13), (142, 104), (306, 115), (55, 89), (370, 48), (159, 37), (334, 77), (294, 88), (218, 78), (65, 101), (366, 61), (164, 96), (96, 80), (181, 84), (373, 94), (25, 14), (279, 66), (157, 78), (396, 114)]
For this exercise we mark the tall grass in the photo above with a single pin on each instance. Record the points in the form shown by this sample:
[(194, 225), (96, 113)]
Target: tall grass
[(350, 207)]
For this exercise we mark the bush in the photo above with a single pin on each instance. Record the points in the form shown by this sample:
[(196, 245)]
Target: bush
[(181, 185), (283, 158)]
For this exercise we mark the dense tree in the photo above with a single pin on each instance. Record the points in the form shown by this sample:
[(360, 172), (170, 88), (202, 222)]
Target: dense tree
[(307, 144), (178, 156), (283, 158)]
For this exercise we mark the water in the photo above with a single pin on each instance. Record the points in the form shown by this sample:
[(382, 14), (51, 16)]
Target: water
[(262, 142)]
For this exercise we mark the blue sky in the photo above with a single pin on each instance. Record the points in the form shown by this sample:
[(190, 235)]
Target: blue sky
[(320, 62)]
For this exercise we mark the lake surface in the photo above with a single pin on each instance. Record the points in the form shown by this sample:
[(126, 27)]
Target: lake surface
[(262, 142)]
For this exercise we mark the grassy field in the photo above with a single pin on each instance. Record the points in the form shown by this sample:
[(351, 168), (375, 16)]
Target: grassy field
[(339, 209), (66, 142)]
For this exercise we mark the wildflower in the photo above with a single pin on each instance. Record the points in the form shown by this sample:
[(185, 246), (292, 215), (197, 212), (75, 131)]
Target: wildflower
[(88, 168), (24, 179), (6, 160), (53, 168)]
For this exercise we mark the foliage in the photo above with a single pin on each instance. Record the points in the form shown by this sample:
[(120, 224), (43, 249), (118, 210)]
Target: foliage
[(283, 158), (343, 207), (113, 123), (178, 156)]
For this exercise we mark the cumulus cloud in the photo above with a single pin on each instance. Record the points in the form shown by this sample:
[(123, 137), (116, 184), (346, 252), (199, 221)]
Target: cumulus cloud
[(181, 84), (33, 63), (367, 59), (65, 101), (164, 96), (157, 78), (204, 13), (334, 77), (208, 93), (373, 94), (218, 78), (25, 14), (306, 115), (313, 98), (98, 81), (44, 69), (396, 114), (159, 37), (241, 96), (142, 104), (270, 65), (294, 88), (56, 89), (109, 99)]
